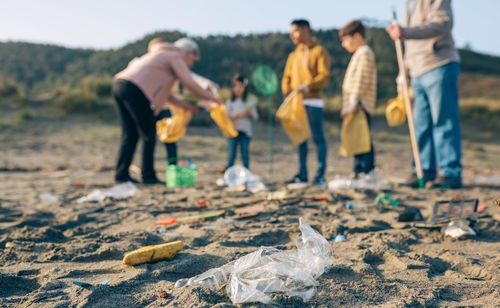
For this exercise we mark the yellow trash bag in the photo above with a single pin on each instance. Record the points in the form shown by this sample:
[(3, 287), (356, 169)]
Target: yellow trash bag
[(172, 129), (292, 115), (395, 112), (355, 134), (218, 113)]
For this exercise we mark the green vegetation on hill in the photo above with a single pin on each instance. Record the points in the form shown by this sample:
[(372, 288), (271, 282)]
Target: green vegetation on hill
[(37, 69)]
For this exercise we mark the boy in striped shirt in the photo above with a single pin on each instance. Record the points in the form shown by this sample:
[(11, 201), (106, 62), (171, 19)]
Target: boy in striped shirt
[(359, 89)]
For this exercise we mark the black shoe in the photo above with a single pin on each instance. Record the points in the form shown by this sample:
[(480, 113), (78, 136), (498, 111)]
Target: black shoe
[(296, 180), (446, 182), (126, 179), (152, 181), (413, 182)]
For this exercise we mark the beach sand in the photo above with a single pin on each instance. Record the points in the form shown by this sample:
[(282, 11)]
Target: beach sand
[(45, 246)]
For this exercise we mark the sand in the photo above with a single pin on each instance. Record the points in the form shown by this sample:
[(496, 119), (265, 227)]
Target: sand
[(45, 245)]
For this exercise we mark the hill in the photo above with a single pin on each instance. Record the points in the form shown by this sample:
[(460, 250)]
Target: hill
[(37, 69)]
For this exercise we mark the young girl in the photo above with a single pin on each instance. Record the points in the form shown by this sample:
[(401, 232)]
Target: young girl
[(241, 109)]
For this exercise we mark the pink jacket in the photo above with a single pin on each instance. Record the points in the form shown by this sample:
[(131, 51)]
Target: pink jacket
[(156, 72)]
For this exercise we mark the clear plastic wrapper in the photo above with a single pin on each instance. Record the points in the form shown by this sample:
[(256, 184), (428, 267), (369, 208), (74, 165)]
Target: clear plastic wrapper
[(252, 278), (120, 191), (374, 180)]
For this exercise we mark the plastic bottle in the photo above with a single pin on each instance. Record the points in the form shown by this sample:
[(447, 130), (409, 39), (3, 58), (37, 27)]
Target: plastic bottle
[(352, 206), (236, 176)]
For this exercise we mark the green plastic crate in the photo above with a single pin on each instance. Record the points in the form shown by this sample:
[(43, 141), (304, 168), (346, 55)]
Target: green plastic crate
[(181, 175)]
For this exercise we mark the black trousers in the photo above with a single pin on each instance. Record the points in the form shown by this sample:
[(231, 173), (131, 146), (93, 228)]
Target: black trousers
[(136, 118), (170, 147), (365, 162)]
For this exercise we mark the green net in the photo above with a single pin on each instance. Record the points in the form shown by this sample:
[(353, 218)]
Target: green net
[(264, 80)]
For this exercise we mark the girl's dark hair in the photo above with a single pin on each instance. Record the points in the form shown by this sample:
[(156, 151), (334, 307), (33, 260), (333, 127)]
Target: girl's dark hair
[(244, 81)]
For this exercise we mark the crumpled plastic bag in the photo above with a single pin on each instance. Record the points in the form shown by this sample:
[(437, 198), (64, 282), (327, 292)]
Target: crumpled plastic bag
[(374, 181), (253, 277), (172, 129), (50, 197), (218, 113), (355, 134), (292, 115), (120, 191), (458, 228), (395, 111)]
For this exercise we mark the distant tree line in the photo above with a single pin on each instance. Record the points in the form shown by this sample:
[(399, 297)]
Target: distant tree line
[(38, 69)]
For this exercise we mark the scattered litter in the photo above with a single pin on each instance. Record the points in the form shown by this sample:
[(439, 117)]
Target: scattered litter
[(238, 176), (181, 282), (255, 185), (203, 202), (160, 231), (82, 284), (444, 211), (481, 207), (120, 191), (410, 214), (352, 206), (320, 199), (373, 180), (339, 238), (488, 180), (162, 294), (171, 221), (49, 197), (385, 199), (253, 277), (181, 175), (78, 184), (86, 284), (220, 182), (459, 228), (153, 253), (277, 195)]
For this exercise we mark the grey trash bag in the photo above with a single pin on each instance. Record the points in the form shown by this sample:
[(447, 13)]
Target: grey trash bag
[(253, 277)]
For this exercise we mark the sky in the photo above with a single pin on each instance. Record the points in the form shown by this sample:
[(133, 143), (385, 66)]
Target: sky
[(103, 24)]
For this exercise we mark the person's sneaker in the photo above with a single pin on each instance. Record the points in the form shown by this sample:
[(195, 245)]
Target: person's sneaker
[(413, 182), (296, 182), (126, 179), (446, 182), (152, 181), (319, 181)]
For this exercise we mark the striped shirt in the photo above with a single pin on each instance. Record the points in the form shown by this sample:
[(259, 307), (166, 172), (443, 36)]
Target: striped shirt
[(360, 81)]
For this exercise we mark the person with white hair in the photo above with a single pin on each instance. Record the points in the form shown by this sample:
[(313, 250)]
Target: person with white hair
[(141, 90)]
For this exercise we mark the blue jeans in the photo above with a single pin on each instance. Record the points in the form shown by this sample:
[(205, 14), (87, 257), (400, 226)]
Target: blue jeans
[(243, 140), (437, 123), (315, 117)]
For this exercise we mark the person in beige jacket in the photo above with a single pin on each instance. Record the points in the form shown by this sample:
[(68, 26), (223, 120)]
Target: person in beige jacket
[(141, 90), (434, 66)]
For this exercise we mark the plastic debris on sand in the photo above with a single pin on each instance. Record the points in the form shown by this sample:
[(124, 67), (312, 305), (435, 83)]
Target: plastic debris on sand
[(120, 191), (253, 277)]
